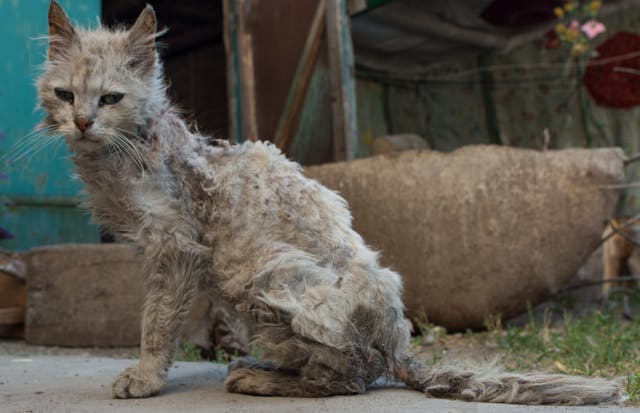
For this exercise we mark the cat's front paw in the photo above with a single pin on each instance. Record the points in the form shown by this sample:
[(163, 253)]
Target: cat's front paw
[(133, 383)]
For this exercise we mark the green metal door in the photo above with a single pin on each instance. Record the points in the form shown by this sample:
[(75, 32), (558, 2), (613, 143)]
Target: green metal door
[(38, 189)]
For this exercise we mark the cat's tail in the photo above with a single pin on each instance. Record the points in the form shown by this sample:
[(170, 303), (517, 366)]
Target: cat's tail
[(500, 387)]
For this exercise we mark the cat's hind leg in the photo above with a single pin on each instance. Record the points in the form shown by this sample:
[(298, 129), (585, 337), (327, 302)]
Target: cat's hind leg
[(297, 367), (265, 380), (316, 325), (171, 286)]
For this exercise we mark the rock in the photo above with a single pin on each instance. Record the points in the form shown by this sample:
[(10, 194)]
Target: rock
[(91, 295), (83, 295), (482, 230)]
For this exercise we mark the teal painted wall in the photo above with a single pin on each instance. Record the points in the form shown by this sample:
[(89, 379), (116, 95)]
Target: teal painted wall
[(39, 186)]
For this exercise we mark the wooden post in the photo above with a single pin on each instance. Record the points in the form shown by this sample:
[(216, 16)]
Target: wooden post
[(288, 123), (13, 295), (341, 68), (239, 48)]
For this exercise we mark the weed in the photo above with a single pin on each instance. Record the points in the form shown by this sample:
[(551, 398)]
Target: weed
[(427, 333), (224, 357), (633, 387), (189, 352), (598, 343), (601, 344)]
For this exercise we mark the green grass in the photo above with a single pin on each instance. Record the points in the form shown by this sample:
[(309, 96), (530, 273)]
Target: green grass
[(426, 333), (188, 352), (601, 344)]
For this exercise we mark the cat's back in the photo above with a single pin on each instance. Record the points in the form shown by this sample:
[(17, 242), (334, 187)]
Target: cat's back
[(259, 171), (258, 157), (264, 190)]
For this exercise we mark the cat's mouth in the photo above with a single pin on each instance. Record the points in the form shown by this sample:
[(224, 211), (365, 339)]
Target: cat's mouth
[(84, 136), (85, 142)]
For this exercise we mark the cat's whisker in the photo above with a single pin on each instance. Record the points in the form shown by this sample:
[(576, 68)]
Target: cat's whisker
[(130, 149), (114, 150), (127, 135), (28, 146), (34, 134), (58, 146), (27, 140), (120, 151), (31, 152)]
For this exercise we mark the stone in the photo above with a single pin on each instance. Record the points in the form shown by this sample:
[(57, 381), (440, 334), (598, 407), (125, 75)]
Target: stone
[(483, 230), (83, 295)]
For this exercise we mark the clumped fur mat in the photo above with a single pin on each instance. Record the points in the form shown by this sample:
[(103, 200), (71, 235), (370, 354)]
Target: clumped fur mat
[(242, 223)]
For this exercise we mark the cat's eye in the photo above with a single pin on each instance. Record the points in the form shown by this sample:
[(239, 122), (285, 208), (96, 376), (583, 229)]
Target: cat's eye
[(63, 95), (111, 98)]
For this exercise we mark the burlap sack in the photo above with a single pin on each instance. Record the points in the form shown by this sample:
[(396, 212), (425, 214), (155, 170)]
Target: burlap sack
[(482, 230)]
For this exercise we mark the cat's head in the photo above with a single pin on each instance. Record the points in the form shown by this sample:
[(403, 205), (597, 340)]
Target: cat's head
[(100, 86)]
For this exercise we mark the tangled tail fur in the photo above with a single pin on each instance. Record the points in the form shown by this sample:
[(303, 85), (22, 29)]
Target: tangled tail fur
[(500, 387)]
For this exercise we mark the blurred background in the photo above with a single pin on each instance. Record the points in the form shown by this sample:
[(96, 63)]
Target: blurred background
[(340, 80)]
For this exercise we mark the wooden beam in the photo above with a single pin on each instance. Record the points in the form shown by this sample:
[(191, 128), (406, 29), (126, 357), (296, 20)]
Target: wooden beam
[(13, 265), (11, 316), (247, 73), (290, 117), (239, 48), (341, 69)]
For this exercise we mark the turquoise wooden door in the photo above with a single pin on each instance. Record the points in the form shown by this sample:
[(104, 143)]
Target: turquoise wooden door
[(38, 188)]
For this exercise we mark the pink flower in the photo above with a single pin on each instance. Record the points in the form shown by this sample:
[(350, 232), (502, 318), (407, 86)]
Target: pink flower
[(592, 28), (574, 25)]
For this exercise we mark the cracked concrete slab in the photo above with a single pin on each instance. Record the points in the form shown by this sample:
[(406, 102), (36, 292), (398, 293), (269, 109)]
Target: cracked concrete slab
[(82, 383)]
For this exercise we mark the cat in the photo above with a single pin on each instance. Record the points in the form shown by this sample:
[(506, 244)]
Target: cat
[(242, 223)]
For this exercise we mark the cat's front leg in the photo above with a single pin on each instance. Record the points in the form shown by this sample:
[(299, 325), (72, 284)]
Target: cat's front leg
[(171, 285)]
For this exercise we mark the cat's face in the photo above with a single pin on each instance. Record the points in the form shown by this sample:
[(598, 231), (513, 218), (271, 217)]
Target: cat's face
[(98, 86)]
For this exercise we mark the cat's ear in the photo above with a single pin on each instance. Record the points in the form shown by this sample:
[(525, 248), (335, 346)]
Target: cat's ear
[(62, 36), (142, 39)]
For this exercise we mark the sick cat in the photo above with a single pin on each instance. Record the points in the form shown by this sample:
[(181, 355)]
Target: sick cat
[(243, 223)]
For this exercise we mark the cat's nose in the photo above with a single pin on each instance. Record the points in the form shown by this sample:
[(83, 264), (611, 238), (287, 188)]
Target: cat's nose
[(83, 123)]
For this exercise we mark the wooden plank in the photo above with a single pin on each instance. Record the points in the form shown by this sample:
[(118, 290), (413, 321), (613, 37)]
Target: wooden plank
[(241, 85), (11, 316), (280, 30), (12, 291), (241, 89), (312, 143), (343, 95), (12, 265), (13, 295), (233, 83), (290, 117), (247, 75)]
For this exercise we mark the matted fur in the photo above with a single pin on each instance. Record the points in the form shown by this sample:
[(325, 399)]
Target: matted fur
[(243, 223)]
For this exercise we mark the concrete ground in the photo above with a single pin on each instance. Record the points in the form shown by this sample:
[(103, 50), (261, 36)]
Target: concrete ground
[(80, 381)]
